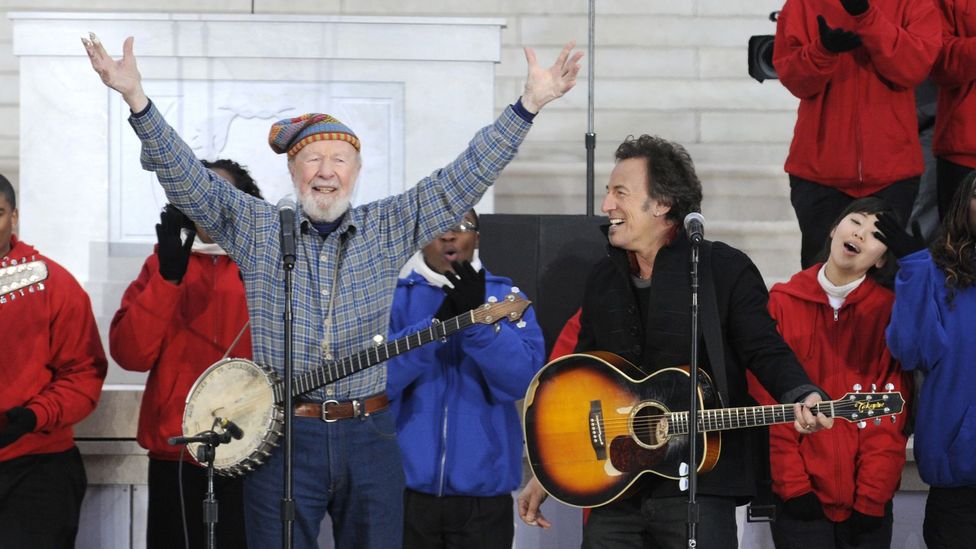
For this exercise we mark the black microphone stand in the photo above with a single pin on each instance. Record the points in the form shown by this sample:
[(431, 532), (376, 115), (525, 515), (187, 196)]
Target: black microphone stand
[(693, 404), (207, 452), (287, 501)]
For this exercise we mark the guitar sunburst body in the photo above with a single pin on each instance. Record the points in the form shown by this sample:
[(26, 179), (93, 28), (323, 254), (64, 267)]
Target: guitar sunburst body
[(593, 426)]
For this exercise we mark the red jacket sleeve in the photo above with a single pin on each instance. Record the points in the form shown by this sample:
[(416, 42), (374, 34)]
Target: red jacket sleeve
[(803, 65), (141, 323), (568, 337), (956, 64), (881, 448), (902, 52), (77, 360)]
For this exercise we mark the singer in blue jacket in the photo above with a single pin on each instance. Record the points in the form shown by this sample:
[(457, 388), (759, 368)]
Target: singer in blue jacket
[(457, 423)]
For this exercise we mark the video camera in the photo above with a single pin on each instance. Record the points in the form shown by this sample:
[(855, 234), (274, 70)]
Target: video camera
[(761, 54)]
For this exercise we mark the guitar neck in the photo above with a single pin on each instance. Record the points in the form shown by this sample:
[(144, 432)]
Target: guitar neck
[(724, 419), (372, 356)]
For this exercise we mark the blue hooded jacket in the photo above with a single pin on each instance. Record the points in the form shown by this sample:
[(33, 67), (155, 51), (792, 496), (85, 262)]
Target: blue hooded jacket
[(926, 334), (454, 400)]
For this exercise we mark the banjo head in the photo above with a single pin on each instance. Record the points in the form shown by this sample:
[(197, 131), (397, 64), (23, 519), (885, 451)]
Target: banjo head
[(241, 391)]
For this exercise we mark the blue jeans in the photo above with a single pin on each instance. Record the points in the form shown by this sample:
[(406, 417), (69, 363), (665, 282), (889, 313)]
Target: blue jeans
[(350, 469)]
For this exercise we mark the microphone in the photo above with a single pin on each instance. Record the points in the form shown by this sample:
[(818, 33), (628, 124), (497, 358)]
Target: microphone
[(286, 214), (695, 227), (231, 428)]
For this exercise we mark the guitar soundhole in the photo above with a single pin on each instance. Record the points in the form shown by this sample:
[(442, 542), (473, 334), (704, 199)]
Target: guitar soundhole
[(649, 425)]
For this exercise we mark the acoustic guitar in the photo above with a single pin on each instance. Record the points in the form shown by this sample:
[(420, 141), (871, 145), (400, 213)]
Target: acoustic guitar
[(594, 424)]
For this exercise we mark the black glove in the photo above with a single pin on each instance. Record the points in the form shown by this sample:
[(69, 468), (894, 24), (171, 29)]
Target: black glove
[(859, 522), (900, 242), (805, 507), (855, 7), (20, 421), (469, 288), (837, 40), (174, 254)]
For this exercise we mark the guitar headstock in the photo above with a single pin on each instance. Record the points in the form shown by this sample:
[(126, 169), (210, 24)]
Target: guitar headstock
[(510, 307), (860, 407), (18, 277)]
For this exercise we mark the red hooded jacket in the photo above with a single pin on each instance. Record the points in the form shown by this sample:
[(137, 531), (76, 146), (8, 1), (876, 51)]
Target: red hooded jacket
[(955, 73), (846, 467), (856, 128), (51, 357), (175, 332)]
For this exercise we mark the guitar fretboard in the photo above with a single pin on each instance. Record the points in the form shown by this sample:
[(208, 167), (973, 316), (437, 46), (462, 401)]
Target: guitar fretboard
[(723, 419), (347, 366)]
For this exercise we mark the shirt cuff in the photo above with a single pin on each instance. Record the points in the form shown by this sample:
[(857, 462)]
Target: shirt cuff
[(521, 111), (143, 111)]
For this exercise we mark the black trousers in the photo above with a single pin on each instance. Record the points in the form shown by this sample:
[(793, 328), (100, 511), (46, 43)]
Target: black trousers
[(462, 522), (817, 207), (165, 522), (40, 500), (792, 533), (950, 518), (948, 177), (661, 523)]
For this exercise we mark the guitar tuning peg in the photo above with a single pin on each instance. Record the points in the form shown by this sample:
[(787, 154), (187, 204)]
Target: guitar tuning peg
[(492, 299), (683, 469), (857, 387), (683, 484), (877, 421), (889, 387), (515, 289), (862, 424), (874, 388)]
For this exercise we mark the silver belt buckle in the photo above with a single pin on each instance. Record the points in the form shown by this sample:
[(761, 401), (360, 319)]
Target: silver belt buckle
[(357, 408), (325, 410)]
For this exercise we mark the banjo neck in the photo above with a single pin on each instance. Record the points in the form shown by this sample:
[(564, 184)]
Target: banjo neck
[(510, 308)]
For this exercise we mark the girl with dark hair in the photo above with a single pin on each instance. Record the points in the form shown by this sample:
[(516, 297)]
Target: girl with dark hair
[(932, 331), (835, 489)]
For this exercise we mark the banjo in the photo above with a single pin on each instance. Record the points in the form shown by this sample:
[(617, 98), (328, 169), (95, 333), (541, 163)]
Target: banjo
[(238, 390)]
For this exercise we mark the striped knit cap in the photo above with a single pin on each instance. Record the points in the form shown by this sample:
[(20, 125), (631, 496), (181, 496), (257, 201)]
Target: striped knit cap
[(291, 134)]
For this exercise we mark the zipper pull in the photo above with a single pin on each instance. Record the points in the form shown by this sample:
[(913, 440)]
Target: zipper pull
[(836, 313)]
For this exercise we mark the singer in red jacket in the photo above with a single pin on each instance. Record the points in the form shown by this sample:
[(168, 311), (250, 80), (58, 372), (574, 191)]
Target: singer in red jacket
[(185, 311), (835, 489), (51, 370), (954, 144), (854, 65)]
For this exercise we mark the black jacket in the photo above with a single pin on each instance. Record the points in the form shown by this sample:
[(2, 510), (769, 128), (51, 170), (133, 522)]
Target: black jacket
[(610, 321)]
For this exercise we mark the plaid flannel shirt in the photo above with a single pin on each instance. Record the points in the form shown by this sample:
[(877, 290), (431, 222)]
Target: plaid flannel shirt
[(376, 238)]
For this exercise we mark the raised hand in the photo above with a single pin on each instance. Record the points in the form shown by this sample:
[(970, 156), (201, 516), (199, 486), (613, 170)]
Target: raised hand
[(174, 254), (121, 75), (897, 239), (469, 286), (543, 85), (837, 40)]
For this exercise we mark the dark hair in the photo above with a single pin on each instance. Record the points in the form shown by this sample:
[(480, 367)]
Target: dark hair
[(870, 205), (671, 177), (7, 190), (954, 250), (241, 177), (474, 214)]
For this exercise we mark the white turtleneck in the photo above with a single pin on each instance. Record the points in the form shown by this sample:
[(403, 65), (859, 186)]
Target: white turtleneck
[(836, 294)]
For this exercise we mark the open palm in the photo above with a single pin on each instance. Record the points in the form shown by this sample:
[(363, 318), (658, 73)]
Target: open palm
[(122, 75), (545, 84)]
